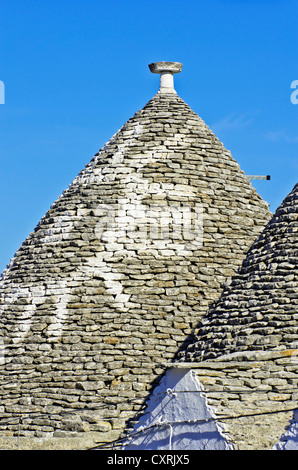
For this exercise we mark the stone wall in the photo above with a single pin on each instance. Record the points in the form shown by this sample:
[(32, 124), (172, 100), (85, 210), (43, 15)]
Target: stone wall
[(113, 280), (240, 401), (258, 308), (253, 395)]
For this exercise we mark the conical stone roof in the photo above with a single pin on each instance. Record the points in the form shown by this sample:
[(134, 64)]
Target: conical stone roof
[(258, 311), (119, 270)]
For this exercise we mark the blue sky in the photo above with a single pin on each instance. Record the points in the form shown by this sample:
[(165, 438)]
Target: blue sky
[(75, 71)]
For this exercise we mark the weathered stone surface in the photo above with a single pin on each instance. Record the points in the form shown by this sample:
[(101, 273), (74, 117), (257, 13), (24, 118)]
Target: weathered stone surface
[(120, 269), (249, 400), (258, 309), (245, 347)]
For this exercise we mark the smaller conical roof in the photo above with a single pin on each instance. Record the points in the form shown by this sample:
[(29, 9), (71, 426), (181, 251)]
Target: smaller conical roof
[(259, 309)]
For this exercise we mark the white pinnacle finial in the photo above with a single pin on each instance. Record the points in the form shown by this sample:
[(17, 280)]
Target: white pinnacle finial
[(166, 71)]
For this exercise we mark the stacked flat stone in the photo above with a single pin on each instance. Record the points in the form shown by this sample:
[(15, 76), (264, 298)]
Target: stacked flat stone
[(112, 281), (245, 348), (253, 395), (259, 309)]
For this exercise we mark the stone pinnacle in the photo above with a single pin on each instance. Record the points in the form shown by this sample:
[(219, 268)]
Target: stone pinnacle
[(166, 71)]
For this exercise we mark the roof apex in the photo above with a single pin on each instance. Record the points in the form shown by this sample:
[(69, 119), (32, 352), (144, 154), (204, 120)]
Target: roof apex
[(166, 71)]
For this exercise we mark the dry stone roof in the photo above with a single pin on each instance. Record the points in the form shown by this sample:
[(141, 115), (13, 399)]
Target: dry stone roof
[(118, 271), (244, 350), (259, 309)]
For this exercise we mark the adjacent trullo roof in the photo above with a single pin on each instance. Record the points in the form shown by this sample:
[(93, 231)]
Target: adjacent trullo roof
[(258, 310), (119, 271)]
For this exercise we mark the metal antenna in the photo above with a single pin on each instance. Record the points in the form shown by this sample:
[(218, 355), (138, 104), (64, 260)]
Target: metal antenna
[(257, 177)]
